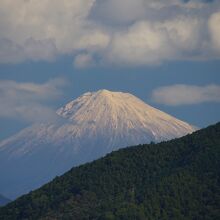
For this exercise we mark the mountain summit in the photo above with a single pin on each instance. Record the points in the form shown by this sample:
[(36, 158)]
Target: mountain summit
[(122, 118), (94, 124)]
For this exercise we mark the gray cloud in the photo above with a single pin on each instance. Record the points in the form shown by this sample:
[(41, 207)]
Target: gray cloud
[(134, 32), (179, 94), (27, 101), (11, 52)]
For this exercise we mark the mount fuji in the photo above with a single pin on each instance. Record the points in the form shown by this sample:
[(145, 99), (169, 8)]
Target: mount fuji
[(91, 126)]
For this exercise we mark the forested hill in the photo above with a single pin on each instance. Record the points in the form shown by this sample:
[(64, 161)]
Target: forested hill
[(178, 179)]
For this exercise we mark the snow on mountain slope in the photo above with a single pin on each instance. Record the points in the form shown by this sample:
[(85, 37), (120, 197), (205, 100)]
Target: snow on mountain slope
[(92, 125)]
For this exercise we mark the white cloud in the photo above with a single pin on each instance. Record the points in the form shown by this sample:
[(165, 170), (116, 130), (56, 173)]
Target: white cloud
[(27, 101), (52, 24), (186, 94), (141, 44), (83, 61), (214, 27), (94, 41), (149, 43), (135, 32)]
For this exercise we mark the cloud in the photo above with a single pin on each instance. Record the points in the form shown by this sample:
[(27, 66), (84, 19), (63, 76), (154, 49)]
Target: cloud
[(186, 94), (117, 11), (94, 41), (57, 26), (141, 44), (138, 32), (214, 27), (150, 43), (11, 52), (83, 61), (27, 101)]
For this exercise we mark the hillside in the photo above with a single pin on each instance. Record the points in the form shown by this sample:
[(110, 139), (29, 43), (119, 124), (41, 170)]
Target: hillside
[(178, 179)]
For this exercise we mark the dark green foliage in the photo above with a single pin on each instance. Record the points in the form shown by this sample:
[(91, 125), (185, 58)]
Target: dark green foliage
[(178, 179)]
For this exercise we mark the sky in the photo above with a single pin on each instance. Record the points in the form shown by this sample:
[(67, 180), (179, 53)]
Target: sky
[(166, 52)]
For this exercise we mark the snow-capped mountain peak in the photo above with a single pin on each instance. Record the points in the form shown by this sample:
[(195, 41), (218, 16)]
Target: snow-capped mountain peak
[(94, 124), (122, 111)]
